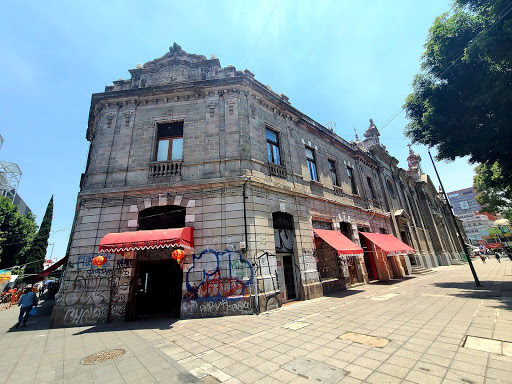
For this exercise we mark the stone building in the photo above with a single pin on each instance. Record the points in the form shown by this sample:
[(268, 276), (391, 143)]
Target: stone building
[(268, 205)]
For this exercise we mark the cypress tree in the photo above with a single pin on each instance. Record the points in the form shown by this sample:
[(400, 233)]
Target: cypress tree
[(37, 252)]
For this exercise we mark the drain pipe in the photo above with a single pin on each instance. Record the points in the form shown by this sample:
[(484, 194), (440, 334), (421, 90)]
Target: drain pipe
[(254, 276)]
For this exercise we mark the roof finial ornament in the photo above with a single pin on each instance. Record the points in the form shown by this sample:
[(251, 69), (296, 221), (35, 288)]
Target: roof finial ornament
[(357, 137), (411, 152), (175, 49)]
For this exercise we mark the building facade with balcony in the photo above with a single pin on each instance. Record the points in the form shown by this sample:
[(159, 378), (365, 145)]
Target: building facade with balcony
[(268, 205)]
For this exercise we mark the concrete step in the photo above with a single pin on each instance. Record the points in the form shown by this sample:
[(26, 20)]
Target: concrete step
[(457, 262), (419, 270)]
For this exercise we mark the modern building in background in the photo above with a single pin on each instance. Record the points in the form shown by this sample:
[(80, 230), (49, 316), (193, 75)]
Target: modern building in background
[(10, 176), (463, 201), (467, 209), (268, 205)]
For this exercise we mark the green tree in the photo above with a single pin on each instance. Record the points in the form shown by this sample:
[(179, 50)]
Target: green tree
[(16, 233), (493, 197), (462, 98), (37, 252)]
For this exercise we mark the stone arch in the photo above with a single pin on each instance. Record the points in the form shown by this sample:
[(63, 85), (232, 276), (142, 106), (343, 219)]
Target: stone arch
[(160, 201)]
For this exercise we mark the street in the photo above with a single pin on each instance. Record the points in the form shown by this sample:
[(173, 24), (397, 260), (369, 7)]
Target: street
[(409, 331)]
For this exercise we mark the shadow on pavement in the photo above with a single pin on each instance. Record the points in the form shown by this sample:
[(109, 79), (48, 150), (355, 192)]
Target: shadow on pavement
[(41, 320), (392, 282), (490, 290), (162, 323), (343, 293)]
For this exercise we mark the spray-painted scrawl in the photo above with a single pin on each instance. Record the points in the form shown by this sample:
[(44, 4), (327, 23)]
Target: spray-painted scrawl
[(218, 283)]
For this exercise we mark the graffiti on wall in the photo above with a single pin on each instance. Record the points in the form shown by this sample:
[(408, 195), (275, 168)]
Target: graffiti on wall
[(82, 316), (95, 295), (218, 283), (283, 239)]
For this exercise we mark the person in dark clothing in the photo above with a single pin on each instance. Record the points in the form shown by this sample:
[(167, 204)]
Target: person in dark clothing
[(498, 257), (26, 302)]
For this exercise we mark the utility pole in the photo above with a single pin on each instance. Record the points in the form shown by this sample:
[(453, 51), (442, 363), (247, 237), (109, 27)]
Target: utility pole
[(477, 282)]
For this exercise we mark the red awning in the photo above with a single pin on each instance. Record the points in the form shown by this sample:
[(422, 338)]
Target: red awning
[(53, 267), (158, 238), (388, 243), (339, 242)]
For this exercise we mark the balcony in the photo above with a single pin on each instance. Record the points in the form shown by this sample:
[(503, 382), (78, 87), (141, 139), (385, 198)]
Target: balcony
[(277, 170), (165, 168), (338, 191)]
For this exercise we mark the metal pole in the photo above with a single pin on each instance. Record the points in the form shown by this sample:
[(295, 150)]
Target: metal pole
[(255, 277), (477, 282)]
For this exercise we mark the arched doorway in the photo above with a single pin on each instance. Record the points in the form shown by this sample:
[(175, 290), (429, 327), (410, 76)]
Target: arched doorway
[(284, 243), (159, 278)]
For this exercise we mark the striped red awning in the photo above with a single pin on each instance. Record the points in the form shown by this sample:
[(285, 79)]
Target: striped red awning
[(158, 238), (388, 243), (342, 244)]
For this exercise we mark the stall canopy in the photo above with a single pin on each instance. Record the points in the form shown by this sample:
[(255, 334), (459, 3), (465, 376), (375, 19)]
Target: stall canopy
[(51, 268), (388, 243), (158, 238), (339, 242)]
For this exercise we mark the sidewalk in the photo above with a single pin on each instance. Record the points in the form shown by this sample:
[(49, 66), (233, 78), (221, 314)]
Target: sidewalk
[(335, 339)]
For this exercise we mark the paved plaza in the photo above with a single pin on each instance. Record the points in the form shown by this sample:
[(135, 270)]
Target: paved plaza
[(435, 328)]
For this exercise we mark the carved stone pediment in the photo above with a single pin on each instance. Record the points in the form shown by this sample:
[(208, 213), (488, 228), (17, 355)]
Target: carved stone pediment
[(174, 74), (175, 54), (176, 66)]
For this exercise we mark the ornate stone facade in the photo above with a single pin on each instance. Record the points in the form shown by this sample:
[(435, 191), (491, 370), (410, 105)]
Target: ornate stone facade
[(244, 182)]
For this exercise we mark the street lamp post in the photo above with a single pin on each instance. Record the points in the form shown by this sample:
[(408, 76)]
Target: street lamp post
[(461, 239)]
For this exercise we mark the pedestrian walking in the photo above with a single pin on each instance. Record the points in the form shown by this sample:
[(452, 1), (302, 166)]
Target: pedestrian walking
[(27, 301), (483, 258), (498, 257)]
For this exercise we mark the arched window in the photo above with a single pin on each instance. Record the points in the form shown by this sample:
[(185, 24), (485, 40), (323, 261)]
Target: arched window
[(346, 229), (391, 189)]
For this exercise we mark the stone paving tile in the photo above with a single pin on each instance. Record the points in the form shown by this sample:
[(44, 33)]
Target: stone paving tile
[(367, 363), (382, 378), (393, 370), (422, 377), (441, 352), (348, 380), (401, 361), (249, 376), (430, 368), (470, 367), (437, 360), (464, 377), (357, 371), (283, 375), (407, 351), (503, 376), (427, 321)]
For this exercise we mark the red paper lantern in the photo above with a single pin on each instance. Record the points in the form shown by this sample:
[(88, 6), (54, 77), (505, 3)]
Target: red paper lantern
[(178, 254), (99, 261)]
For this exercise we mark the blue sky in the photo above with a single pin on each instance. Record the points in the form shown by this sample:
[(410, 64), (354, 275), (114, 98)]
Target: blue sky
[(340, 61)]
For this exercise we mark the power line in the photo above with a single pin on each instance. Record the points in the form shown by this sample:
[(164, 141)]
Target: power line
[(261, 34), (37, 237)]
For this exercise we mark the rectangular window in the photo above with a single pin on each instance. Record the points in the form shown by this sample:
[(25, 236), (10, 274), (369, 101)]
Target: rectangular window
[(353, 185), (334, 176), (170, 141), (273, 152), (310, 156), (370, 187)]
